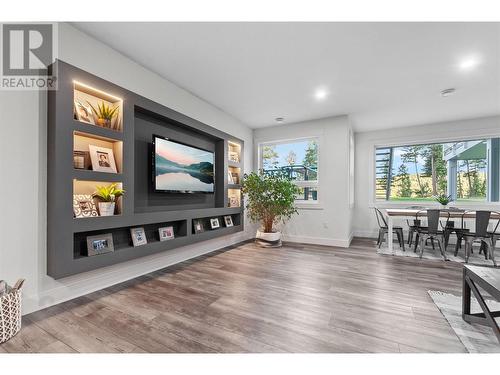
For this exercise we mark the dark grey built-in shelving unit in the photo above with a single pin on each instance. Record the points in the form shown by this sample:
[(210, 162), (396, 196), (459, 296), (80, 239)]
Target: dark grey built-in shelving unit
[(141, 206)]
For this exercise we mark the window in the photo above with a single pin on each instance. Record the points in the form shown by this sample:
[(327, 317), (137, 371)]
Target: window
[(299, 160), (466, 170)]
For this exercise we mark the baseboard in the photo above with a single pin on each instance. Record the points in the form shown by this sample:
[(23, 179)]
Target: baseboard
[(318, 240), (92, 281)]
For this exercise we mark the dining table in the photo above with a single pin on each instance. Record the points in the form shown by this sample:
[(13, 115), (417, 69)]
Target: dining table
[(405, 213)]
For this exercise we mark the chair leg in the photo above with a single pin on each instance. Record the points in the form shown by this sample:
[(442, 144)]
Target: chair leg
[(492, 251), (442, 248), (457, 245), (401, 236), (410, 236), (422, 245), (378, 238), (417, 239), (432, 242), (468, 245), (382, 238)]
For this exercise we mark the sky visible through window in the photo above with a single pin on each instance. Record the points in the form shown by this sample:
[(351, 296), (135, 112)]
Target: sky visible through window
[(284, 149)]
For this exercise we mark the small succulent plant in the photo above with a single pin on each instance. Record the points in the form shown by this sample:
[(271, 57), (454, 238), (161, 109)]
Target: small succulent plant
[(108, 193)]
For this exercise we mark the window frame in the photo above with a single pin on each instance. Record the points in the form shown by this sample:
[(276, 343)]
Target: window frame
[(301, 204)]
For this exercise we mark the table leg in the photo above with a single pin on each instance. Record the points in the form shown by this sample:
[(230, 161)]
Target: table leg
[(465, 295), (390, 235)]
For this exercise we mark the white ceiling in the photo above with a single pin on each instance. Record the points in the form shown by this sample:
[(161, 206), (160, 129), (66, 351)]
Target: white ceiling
[(383, 75)]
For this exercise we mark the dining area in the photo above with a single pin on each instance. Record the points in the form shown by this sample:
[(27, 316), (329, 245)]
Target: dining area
[(446, 233)]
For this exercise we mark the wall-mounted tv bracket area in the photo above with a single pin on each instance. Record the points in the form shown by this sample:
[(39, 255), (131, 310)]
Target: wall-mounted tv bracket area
[(128, 177)]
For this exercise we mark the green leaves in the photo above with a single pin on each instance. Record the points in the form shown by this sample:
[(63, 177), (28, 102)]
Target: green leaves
[(104, 111), (443, 199), (270, 198), (108, 193)]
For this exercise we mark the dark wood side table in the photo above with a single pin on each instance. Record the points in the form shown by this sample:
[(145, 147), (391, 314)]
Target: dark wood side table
[(488, 279)]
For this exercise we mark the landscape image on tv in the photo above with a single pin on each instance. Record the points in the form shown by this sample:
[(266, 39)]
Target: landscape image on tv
[(181, 168)]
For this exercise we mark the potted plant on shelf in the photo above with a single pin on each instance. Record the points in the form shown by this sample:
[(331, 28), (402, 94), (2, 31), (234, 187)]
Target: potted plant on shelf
[(270, 199), (107, 196), (104, 114), (443, 199)]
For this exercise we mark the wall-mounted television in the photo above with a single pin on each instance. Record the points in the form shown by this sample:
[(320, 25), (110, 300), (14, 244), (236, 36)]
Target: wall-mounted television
[(180, 168)]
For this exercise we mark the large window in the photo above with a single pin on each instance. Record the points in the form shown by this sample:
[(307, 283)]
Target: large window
[(299, 160), (466, 170)]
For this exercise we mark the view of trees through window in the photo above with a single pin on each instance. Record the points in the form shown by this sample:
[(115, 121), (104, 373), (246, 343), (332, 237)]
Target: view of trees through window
[(420, 172), (298, 160)]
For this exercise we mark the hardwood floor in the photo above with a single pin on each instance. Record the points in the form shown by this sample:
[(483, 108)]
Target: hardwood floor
[(300, 298)]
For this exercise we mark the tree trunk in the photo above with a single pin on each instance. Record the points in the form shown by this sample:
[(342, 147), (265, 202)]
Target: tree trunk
[(434, 175), (468, 179), (418, 175)]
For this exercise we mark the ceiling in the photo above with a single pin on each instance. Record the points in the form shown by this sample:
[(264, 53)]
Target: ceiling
[(383, 75)]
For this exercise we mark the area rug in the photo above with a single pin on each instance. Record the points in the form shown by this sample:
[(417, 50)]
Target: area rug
[(475, 337), (474, 259)]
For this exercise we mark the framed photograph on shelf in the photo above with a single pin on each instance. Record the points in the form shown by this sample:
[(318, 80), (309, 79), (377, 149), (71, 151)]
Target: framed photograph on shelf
[(234, 156), (236, 177), (103, 159), (166, 233), (228, 221), (230, 178), (84, 206), (198, 226), (138, 236), (81, 159), (100, 244), (214, 223), (84, 112), (234, 201)]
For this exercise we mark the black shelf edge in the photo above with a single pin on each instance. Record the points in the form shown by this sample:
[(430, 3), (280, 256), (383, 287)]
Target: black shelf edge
[(90, 129), (88, 175)]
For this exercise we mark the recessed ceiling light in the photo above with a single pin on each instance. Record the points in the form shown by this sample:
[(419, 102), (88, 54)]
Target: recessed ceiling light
[(279, 119), (321, 94), (448, 92), (468, 63)]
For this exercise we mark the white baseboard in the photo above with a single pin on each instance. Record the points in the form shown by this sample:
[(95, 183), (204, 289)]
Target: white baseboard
[(79, 285), (318, 240)]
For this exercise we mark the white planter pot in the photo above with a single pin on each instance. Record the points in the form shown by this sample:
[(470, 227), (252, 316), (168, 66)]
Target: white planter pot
[(268, 239), (106, 208)]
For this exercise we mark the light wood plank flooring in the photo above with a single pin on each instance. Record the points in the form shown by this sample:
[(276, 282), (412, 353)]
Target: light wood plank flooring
[(300, 298)]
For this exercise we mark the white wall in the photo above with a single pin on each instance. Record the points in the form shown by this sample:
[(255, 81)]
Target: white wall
[(364, 223), (330, 224), (23, 182)]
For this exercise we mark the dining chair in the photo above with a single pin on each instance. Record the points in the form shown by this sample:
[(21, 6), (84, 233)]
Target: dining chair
[(481, 233), (433, 232), (384, 228), (412, 227)]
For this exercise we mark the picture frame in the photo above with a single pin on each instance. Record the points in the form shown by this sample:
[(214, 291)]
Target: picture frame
[(84, 206), (81, 159), (83, 112), (236, 177), (138, 236), (234, 156), (234, 202), (230, 178), (198, 226), (166, 233), (228, 221), (100, 244), (214, 223), (103, 159)]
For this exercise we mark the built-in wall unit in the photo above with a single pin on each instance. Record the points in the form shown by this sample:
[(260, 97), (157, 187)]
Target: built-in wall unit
[(128, 177)]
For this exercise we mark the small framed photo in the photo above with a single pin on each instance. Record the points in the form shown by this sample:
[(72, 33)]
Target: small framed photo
[(138, 236), (230, 178), (228, 221), (214, 223), (103, 159), (198, 226), (166, 233), (100, 244), (81, 159), (236, 178), (234, 201), (84, 206), (84, 112)]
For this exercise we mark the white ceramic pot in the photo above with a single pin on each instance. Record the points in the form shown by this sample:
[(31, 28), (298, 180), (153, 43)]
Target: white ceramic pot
[(106, 208), (268, 239)]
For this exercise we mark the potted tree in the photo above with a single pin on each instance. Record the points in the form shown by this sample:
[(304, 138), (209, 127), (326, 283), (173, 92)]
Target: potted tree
[(107, 196), (270, 199)]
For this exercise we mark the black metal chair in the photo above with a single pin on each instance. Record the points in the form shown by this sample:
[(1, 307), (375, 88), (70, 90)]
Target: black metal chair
[(433, 232), (482, 234), (412, 227), (384, 228)]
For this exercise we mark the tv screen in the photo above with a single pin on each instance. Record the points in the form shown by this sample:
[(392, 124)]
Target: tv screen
[(181, 168)]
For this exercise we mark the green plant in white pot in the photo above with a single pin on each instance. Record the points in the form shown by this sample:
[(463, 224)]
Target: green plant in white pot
[(107, 196), (270, 199)]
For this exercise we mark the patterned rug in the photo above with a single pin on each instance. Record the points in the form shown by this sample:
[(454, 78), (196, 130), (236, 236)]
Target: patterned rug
[(429, 253), (476, 338)]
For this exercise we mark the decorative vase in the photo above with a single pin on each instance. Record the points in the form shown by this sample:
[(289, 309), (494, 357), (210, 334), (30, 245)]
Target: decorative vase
[(106, 208), (104, 122), (264, 239)]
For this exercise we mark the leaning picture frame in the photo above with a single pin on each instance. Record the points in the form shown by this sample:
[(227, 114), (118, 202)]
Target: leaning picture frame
[(100, 244), (103, 159), (228, 221), (83, 112), (166, 233), (84, 206), (198, 226), (214, 223)]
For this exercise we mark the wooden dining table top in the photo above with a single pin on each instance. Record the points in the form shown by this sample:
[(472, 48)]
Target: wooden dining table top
[(454, 212)]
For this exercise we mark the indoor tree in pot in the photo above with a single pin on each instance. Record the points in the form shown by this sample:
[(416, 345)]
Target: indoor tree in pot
[(270, 199), (107, 196)]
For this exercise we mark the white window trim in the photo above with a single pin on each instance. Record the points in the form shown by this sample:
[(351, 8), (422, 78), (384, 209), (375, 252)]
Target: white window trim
[(304, 205)]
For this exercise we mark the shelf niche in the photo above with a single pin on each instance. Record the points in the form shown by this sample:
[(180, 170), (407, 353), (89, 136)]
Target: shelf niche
[(85, 95), (82, 141), (84, 187)]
